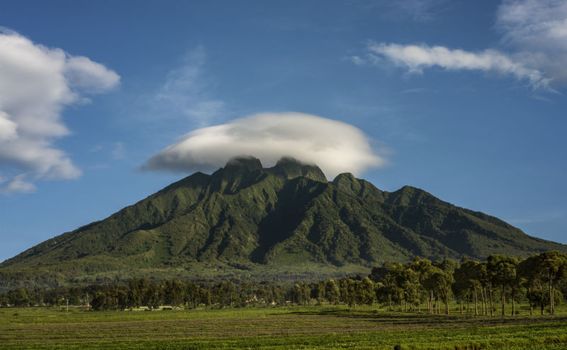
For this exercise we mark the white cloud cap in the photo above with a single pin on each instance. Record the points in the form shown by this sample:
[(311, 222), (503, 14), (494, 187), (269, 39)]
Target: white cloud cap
[(333, 145), (36, 84)]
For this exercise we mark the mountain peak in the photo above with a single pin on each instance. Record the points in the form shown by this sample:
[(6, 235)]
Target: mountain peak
[(290, 168), (248, 163), (347, 182), (344, 177), (239, 172), (289, 161)]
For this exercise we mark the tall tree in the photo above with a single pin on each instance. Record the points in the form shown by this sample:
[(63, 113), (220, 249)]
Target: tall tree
[(552, 265), (440, 282), (467, 281), (423, 267), (533, 281), (366, 291), (502, 270), (319, 291), (332, 292)]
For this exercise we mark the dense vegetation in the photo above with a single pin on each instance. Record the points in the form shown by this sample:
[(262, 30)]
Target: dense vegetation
[(494, 286), (245, 221)]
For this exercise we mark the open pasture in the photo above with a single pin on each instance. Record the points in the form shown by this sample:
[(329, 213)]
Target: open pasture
[(324, 327)]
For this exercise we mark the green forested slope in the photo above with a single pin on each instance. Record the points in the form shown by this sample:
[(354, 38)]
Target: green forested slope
[(286, 218)]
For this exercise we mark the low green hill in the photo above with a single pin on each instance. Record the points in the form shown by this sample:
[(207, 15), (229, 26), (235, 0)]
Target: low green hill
[(287, 221)]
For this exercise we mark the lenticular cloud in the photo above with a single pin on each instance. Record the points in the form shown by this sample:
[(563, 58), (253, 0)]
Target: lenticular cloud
[(333, 145)]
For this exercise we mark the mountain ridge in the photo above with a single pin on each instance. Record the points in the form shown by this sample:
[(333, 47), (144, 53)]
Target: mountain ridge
[(285, 218)]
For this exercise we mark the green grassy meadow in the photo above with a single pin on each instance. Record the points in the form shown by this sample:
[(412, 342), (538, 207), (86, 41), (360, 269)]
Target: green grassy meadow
[(323, 327)]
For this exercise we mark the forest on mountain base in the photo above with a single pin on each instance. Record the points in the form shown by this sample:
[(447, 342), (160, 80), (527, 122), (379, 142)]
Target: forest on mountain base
[(495, 286)]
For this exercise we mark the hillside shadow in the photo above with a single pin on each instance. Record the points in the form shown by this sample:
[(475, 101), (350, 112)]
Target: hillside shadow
[(286, 215)]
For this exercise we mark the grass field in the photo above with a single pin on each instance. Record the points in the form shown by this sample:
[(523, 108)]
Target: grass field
[(273, 328)]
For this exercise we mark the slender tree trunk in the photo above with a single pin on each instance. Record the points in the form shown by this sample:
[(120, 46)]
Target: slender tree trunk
[(475, 302), (491, 299), (530, 302), (435, 306), (482, 304), (488, 302), (484, 308), (513, 303), (503, 301), (551, 301)]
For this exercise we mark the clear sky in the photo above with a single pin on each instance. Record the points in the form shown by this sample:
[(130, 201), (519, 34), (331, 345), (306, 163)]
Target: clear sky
[(465, 99)]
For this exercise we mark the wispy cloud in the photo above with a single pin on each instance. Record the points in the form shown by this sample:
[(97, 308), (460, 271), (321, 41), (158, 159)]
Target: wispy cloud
[(36, 84), (118, 151), (539, 218), (416, 91), (416, 58), (17, 184), (533, 47), (417, 10), (537, 30), (186, 91)]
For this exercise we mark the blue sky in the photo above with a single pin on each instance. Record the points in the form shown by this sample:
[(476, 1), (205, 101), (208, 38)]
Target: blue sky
[(465, 99)]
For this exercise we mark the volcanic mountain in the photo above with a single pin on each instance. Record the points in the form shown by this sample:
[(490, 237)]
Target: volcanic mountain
[(246, 219)]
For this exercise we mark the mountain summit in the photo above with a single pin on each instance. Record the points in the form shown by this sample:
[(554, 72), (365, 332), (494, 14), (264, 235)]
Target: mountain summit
[(270, 221)]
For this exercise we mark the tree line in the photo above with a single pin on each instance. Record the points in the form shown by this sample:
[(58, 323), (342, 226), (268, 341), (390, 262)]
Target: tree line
[(489, 288), (480, 288)]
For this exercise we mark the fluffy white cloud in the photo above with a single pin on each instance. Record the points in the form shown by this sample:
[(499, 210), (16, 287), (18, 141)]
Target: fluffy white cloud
[(36, 84), (418, 57), (537, 29), (333, 145)]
